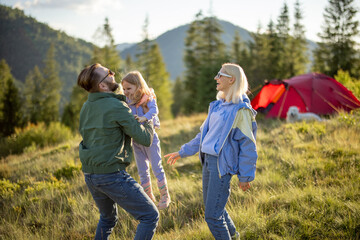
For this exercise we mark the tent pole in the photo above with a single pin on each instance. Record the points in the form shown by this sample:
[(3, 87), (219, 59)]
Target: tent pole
[(327, 101), (282, 103), (347, 98)]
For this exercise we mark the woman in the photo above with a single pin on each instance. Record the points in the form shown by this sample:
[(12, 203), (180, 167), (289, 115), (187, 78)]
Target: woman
[(227, 146)]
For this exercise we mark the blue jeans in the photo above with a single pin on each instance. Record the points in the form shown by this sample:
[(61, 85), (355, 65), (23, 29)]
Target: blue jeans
[(120, 188), (216, 192)]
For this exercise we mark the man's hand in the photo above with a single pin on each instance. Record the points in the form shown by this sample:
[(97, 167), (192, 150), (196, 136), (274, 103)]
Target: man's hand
[(140, 119), (172, 157), (244, 186)]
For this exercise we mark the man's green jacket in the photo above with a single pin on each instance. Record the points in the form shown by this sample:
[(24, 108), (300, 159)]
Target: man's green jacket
[(107, 126)]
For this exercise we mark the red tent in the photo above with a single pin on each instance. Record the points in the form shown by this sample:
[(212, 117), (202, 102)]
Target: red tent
[(311, 92)]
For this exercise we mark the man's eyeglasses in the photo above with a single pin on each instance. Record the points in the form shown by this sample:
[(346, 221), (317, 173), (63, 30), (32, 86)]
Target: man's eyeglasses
[(219, 74), (111, 73)]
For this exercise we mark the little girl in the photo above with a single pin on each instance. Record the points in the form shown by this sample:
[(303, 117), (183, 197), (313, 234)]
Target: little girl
[(142, 102)]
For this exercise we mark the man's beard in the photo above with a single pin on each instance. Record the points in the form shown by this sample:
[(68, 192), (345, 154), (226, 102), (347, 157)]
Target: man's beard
[(113, 86)]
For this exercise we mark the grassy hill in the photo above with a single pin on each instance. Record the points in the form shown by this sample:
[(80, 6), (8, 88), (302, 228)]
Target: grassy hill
[(307, 186)]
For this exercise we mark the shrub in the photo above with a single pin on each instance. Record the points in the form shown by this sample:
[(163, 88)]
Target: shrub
[(351, 83), (34, 136), (67, 172), (8, 188)]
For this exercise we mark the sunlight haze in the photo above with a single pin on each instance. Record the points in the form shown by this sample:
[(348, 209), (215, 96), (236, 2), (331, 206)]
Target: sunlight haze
[(80, 18)]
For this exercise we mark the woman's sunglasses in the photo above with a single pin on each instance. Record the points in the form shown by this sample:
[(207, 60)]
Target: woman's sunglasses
[(219, 74)]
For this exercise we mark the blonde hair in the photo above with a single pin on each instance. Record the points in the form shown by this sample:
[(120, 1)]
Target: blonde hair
[(135, 78), (238, 88), (88, 78)]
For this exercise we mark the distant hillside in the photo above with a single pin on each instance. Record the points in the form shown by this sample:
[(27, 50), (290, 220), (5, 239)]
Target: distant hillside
[(172, 47), (171, 44), (122, 46), (24, 43)]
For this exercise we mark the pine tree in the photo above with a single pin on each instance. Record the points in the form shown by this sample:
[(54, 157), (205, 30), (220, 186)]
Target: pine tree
[(213, 56), (107, 55), (159, 79), (11, 109), (283, 47), (204, 54), (51, 88), (129, 64), (337, 49), (179, 95), (34, 96), (71, 115), (239, 52), (259, 60), (5, 74), (143, 60), (193, 44), (10, 106), (299, 58), (151, 65), (276, 53)]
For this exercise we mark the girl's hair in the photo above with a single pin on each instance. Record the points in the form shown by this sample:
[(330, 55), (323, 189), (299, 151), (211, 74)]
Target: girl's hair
[(240, 85), (88, 78), (135, 78)]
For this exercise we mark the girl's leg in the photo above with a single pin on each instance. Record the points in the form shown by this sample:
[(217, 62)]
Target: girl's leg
[(142, 164), (154, 153), (218, 192)]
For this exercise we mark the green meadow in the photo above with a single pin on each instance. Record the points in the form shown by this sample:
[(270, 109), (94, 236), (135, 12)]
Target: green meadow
[(307, 186)]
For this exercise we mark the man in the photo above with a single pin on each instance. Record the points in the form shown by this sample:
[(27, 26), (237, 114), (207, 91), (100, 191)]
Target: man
[(107, 126)]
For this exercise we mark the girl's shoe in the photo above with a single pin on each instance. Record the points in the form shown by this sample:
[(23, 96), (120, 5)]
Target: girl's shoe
[(164, 195), (148, 190)]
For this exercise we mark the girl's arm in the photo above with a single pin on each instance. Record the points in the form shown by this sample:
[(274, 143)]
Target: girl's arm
[(153, 109)]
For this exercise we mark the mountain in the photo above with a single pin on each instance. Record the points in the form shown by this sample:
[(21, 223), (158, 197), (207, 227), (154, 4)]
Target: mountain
[(24, 43), (120, 47), (172, 46)]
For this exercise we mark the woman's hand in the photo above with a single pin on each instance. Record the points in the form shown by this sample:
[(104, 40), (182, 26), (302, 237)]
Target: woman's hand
[(244, 186), (172, 157)]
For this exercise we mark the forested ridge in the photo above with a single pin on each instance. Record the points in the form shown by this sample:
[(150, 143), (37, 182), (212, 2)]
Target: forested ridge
[(24, 43)]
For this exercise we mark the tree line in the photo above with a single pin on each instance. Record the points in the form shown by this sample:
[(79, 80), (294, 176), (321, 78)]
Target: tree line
[(277, 52), (24, 43)]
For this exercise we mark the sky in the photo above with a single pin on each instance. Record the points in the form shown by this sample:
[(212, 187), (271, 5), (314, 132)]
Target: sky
[(81, 18)]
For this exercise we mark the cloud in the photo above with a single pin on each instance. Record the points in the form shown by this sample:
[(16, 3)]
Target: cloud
[(92, 6), (26, 4)]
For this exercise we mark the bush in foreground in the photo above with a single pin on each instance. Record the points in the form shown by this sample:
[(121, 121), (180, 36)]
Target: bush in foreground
[(34, 136)]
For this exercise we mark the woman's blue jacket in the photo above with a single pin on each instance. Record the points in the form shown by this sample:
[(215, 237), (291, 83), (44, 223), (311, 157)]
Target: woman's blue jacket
[(238, 154)]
